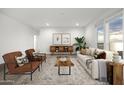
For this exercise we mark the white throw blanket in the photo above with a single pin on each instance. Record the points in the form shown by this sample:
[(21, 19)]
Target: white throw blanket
[(102, 69)]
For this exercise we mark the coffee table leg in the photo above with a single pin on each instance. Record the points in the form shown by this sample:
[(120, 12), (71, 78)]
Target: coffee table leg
[(69, 70)]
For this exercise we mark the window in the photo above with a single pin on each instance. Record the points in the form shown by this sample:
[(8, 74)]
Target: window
[(115, 34), (100, 38)]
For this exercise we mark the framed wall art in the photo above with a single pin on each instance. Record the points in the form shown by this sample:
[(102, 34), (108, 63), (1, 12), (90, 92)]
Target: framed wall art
[(57, 38), (66, 38), (61, 38)]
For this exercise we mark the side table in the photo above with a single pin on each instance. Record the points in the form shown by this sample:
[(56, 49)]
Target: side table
[(115, 73)]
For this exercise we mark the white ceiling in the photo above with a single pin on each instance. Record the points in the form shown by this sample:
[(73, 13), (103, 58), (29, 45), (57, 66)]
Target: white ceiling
[(55, 17)]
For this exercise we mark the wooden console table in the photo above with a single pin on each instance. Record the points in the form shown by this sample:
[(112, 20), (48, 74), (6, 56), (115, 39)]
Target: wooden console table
[(61, 49), (115, 73)]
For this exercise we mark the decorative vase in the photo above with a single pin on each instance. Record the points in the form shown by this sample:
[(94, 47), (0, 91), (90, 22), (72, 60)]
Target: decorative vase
[(116, 58)]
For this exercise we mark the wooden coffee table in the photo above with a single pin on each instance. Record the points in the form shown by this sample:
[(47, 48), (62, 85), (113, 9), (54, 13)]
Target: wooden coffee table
[(68, 63)]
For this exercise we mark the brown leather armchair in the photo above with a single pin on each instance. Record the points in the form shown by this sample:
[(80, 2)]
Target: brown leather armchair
[(14, 68), (31, 57)]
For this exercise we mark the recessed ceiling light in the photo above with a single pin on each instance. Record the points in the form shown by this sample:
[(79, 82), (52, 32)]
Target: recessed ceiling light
[(47, 24), (77, 24)]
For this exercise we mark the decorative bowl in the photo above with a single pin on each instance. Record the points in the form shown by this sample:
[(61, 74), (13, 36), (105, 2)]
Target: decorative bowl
[(63, 59)]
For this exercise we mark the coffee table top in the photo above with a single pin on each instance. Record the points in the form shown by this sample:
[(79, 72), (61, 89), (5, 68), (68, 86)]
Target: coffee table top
[(67, 62)]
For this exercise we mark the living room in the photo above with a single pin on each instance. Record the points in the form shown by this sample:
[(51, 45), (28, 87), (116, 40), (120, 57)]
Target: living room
[(63, 43), (53, 32), (61, 46)]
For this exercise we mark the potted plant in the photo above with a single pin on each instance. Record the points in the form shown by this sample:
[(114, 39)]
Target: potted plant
[(80, 43)]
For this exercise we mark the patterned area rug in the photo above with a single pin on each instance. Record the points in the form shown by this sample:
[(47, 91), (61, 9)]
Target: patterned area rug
[(49, 76)]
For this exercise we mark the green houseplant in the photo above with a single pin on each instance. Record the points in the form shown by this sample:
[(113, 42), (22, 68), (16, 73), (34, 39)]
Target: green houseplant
[(80, 43)]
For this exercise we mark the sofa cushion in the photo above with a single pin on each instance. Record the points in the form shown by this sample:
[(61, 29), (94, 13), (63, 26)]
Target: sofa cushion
[(88, 52), (92, 51)]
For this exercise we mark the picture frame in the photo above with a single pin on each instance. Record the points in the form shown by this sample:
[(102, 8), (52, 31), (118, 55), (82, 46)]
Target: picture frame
[(57, 38), (66, 38), (61, 38)]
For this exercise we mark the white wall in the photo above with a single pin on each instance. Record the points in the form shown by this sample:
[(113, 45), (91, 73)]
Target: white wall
[(45, 37), (14, 36), (91, 35)]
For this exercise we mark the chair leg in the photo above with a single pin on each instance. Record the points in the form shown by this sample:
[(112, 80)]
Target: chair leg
[(31, 76), (41, 64), (39, 68), (4, 76), (45, 59)]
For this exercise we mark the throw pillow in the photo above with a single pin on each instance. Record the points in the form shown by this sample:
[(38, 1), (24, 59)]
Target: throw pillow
[(20, 60), (101, 55), (83, 51), (95, 54)]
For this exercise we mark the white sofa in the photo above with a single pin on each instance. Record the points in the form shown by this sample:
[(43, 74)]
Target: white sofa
[(95, 67)]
